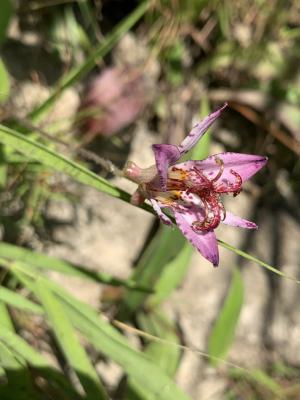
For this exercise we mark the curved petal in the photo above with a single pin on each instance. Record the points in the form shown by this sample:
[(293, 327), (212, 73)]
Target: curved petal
[(245, 165), (165, 155), (198, 131), (205, 242), (234, 220), (162, 216)]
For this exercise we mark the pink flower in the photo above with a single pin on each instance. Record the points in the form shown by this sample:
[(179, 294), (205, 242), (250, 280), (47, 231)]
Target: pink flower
[(192, 190), (114, 100)]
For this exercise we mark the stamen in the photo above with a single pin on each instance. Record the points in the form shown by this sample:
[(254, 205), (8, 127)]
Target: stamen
[(221, 170), (202, 176), (227, 187), (212, 216)]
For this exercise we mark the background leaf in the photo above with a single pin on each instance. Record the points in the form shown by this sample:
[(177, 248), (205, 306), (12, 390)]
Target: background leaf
[(4, 81), (5, 16), (223, 331)]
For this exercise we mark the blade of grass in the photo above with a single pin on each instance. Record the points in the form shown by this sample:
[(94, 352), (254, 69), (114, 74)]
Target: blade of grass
[(171, 276), (5, 16), (109, 341), (4, 82), (5, 320), (164, 356), (261, 378), (42, 261), (16, 300), (256, 260), (69, 343), (223, 331), (79, 72), (162, 249), (19, 385), (21, 350), (41, 153)]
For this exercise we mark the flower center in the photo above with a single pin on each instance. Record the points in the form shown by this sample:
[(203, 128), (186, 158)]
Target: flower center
[(194, 184)]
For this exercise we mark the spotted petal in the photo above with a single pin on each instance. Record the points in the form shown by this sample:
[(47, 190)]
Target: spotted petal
[(198, 131), (205, 242), (165, 155), (162, 216), (234, 220), (246, 165)]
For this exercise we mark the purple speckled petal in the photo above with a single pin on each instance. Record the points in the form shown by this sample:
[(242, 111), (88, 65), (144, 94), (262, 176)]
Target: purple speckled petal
[(246, 165), (198, 131), (163, 217), (165, 155), (205, 242), (234, 220)]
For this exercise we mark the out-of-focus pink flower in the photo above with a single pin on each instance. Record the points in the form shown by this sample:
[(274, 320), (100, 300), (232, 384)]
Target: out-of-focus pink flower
[(114, 99), (192, 190)]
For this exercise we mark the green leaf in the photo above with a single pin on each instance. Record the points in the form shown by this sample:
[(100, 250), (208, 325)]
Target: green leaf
[(19, 384), (5, 15), (69, 343), (165, 355), (5, 320), (79, 72), (171, 276), (22, 352), (223, 331), (256, 260), (16, 300), (42, 261), (261, 378), (163, 248), (22, 349), (109, 341), (39, 152), (4, 80)]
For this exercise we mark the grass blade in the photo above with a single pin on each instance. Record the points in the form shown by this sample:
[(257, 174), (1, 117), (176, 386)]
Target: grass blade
[(223, 331), (4, 82), (18, 385), (162, 250), (162, 354), (42, 261), (52, 159), (171, 276), (22, 349), (109, 341), (69, 343), (256, 260), (16, 300)]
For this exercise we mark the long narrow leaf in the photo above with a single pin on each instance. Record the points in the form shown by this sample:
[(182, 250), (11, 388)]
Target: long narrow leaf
[(18, 385), (41, 153), (223, 331), (21, 350), (110, 342), (16, 300), (69, 343), (171, 277), (43, 261), (162, 354)]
